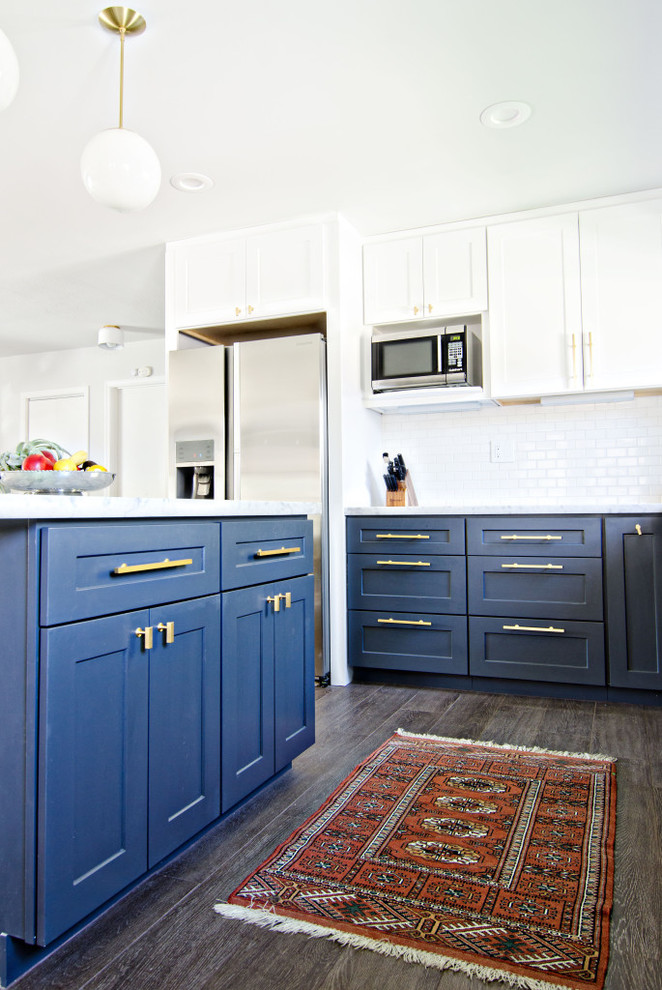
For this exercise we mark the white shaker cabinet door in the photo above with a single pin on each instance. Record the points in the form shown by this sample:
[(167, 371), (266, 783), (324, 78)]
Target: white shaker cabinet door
[(393, 281), (621, 258), (535, 307), (209, 282), (285, 272), (455, 272)]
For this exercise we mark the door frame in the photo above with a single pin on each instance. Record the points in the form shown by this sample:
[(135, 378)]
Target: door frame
[(112, 390)]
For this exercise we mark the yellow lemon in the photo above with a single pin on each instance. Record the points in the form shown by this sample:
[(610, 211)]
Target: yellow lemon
[(65, 464)]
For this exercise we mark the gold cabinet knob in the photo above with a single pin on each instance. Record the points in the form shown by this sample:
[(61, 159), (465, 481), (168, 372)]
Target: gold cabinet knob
[(237, 311), (430, 307), (415, 310), (169, 629), (147, 636), (250, 309)]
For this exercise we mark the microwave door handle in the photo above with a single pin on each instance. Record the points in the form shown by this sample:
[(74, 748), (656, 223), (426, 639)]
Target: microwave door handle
[(440, 361)]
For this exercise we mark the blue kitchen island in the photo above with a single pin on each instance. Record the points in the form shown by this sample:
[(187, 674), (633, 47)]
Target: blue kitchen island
[(158, 667)]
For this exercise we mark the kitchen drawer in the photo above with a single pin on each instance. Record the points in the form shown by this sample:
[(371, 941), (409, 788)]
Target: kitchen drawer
[(256, 551), (537, 650), (91, 569), (407, 583), (556, 536), (406, 534), (408, 641), (564, 588)]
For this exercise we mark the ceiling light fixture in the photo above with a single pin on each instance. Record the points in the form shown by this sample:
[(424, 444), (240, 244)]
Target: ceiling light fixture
[(191, 182), (119, 168), (8, 71), (510, 113), (110, 337)]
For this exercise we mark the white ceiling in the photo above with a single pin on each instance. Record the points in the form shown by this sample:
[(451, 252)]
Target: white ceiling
[(365, 107)]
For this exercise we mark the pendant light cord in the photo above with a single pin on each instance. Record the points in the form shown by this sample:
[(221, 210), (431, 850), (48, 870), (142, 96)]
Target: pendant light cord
[(122, 34)]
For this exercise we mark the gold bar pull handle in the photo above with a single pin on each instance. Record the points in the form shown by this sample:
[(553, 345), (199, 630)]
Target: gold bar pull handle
[(169, 629), (405, 563), (405, 622), (544, 629), (147, 636), (526, 536), (590, 355), (288, 599), (538, 567), (638, 530), (158, 565), (276, 602), (574, 356), (275, 553), (402, 536)]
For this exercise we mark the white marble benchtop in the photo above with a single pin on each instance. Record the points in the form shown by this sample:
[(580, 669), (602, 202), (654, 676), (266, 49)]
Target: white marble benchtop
[(111, 507)]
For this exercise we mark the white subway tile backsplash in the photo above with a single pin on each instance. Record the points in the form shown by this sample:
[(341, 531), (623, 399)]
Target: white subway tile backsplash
[(571, 453)]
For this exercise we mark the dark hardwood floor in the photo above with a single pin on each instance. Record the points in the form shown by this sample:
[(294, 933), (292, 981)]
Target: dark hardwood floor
[(165, 935)]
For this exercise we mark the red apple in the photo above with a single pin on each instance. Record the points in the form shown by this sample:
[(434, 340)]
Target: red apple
[(37, 462), (50, 455)]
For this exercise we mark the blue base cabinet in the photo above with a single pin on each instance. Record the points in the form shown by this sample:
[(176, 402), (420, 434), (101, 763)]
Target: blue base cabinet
[(268, 682), (110, 713), (407, 594), (553, 603)]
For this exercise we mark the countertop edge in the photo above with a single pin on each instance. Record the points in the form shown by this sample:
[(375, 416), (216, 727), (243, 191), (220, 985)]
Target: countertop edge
[(511, 509), (114, 507)]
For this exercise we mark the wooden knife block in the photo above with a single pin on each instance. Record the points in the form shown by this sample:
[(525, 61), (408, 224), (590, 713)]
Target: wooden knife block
[(399, 497)]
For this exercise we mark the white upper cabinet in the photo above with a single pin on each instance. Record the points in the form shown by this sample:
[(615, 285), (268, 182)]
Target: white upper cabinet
[(455, 272), (227, 279), (576, 301), (209, 282), (535, 306), (393, 281), (425, 277), (285, 271), (621, 259)]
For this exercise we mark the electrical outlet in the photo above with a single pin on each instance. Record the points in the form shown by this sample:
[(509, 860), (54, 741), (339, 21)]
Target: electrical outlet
[(502, 451)]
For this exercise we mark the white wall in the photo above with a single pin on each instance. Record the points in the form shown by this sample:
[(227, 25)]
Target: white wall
[(89, 366), (576, 454)]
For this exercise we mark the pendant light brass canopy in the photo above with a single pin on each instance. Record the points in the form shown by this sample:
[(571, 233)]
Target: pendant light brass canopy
[(119, 168), (120, 19)]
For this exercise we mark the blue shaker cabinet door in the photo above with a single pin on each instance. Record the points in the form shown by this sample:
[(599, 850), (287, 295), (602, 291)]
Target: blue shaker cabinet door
[(294, 671), (184, 723), (633, 569), (247, 692), (93, 778)]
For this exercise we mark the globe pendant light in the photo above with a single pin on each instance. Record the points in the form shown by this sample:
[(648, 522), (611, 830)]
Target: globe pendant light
[(8, 72), (119, 168)]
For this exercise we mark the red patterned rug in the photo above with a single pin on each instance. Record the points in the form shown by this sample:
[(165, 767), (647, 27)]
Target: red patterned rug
[(494, 860)]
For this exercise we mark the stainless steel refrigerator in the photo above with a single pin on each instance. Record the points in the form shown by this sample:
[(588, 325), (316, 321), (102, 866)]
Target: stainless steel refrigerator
[(248, 421)]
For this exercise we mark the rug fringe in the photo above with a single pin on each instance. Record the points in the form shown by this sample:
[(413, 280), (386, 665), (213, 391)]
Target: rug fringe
[(293, 926), (522, 749)]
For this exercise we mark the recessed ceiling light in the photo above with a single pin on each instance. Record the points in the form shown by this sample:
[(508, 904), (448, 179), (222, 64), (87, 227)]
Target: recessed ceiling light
[(191, 182), (510, 113)]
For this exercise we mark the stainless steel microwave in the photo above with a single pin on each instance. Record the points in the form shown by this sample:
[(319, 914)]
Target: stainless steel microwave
[(450, 355)]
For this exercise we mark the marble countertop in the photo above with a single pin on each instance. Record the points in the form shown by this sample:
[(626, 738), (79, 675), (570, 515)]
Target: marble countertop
[(111, 507), (511, 508)]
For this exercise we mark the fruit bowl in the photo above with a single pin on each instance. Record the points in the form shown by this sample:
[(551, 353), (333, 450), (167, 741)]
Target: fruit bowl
[(56, 482)]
